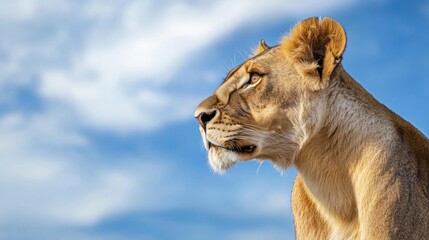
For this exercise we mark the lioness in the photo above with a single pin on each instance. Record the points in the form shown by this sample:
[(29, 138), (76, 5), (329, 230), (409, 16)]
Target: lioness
[(363, 171)]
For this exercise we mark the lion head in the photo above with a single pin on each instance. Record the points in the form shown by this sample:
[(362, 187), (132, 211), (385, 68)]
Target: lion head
[(268, 106)]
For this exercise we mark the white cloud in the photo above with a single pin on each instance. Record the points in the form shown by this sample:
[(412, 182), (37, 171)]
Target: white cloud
[(273, 201), (101, 59), (88, 202), (142, 51), (43, 179), (21, 10)]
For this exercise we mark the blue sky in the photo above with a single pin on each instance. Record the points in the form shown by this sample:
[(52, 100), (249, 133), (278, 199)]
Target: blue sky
[(97, 138)]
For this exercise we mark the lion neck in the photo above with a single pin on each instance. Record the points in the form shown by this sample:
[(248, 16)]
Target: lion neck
[(335, 143)]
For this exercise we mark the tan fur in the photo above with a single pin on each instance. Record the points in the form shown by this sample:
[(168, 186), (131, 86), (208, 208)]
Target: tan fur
[(363, 170)]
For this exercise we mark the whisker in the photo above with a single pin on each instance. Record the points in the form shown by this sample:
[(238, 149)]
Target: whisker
[(242, 56), (260, 164)]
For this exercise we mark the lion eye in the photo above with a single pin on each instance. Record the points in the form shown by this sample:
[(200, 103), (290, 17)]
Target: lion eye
[(254, 78)]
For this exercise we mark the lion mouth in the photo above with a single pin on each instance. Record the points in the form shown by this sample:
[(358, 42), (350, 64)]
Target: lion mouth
[(237, 149)]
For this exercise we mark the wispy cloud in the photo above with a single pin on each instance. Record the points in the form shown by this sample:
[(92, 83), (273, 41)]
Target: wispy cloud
[(115, 76), (43, 177)]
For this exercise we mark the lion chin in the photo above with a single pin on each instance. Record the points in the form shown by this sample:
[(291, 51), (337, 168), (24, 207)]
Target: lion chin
[(221, 160)]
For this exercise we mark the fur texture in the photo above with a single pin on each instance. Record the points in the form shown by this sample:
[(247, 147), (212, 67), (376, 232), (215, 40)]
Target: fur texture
[(363, 170)]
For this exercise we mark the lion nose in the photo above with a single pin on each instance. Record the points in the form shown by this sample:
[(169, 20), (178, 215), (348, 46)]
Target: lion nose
[(205, 117)]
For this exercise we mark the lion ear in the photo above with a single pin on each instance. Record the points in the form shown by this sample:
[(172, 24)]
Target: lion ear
[(316, 47), (261, 47)]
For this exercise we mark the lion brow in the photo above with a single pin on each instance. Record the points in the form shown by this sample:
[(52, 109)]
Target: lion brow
[(231, 72)]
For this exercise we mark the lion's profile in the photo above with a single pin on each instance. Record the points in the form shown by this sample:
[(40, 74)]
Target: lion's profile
[(363, 171)]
